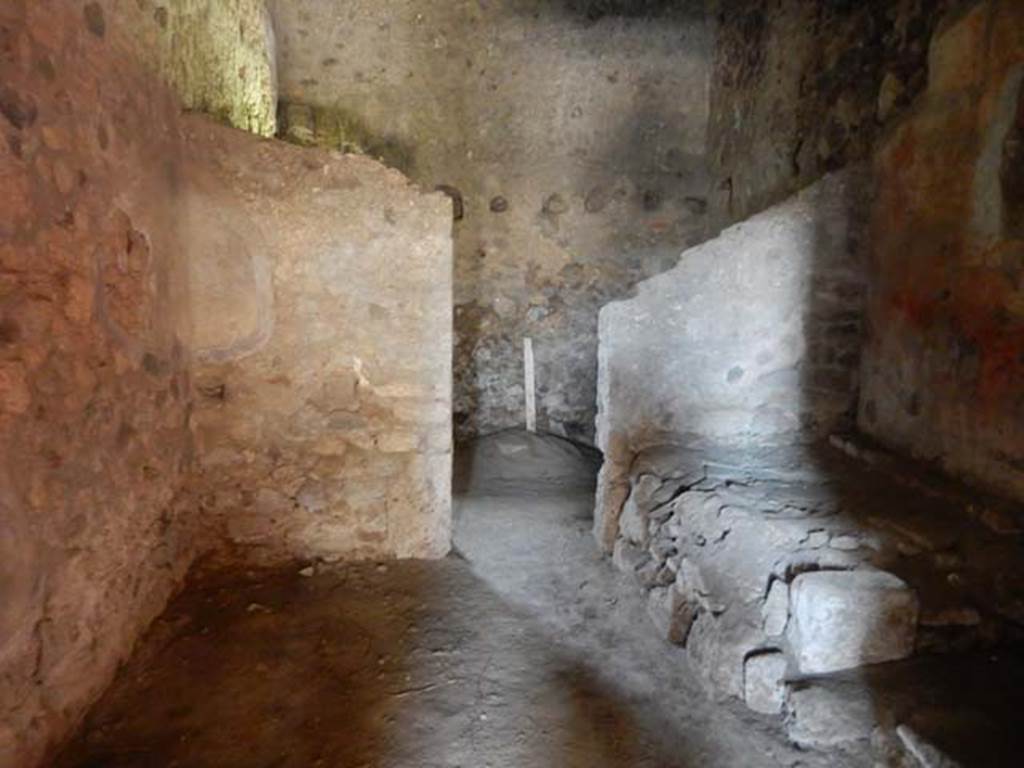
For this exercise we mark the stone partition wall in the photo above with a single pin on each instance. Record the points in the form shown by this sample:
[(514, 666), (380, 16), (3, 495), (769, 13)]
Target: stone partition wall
[(95, 533), (322, 315), (753, 338), (944, 364), (573, 133)]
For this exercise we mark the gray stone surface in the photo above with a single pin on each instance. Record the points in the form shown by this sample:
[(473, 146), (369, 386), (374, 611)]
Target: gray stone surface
[(628, 557), (608, 503), (764, 688), (752, 337), (845, 619), (718, 645), (591, 130), (776, 609), (828, 713), (742, 545), (673, 614), (845, 543), (633, 521)]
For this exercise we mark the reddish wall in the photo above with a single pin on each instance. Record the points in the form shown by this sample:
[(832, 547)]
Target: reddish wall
[(943, 374), (336, 408), (94, 383)]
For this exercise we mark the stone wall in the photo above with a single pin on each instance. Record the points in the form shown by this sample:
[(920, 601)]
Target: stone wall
[(142, 254), (944, 362), (753, 338), (322, 293), (573, 134), (803, 87), (220, 57), (778, 567), (94, 361)]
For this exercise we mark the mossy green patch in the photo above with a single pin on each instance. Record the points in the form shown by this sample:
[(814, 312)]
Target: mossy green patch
[(340, 129), (219, 56)]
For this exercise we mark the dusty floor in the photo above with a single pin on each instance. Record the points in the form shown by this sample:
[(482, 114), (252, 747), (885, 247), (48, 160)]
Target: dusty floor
[(523, 649)]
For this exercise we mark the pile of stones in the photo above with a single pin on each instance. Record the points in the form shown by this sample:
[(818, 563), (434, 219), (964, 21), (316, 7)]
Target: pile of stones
[(774, 566)]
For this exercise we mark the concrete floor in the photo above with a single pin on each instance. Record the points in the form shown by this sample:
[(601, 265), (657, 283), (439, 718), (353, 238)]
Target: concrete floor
[(523, 648)]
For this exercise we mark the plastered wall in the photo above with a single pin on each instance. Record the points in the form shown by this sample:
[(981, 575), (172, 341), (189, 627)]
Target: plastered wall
[(944, 364), (573, 133), (753, 339), (322, 318)]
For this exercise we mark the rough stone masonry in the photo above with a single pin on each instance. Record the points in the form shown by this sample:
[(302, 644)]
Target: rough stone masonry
[(573, 135), (779, 564), (203, 335), (786, 571), (323, 351), (753, 338)]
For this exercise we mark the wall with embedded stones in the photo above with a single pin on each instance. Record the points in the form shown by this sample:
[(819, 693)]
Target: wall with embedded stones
[(944, 362), (776, 566), (753, 338), (220, 57), (573, 134), (322, 323), (769, 558), (95, 533), (803, 87), (135, 263)]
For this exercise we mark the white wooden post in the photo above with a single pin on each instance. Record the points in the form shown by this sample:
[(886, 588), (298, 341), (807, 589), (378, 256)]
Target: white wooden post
[(530, 386)]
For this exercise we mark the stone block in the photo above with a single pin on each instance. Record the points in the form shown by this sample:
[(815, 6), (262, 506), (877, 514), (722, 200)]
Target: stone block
[(823, 714), (845, 619), (628, 558), (299, 126), (775, 610), (719, 645), (691, 582), (612, 491), (673, 615), (764, 686), (633, 521)]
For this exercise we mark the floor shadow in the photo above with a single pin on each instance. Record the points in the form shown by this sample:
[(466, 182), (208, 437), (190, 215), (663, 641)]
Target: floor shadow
[(404, 664)]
